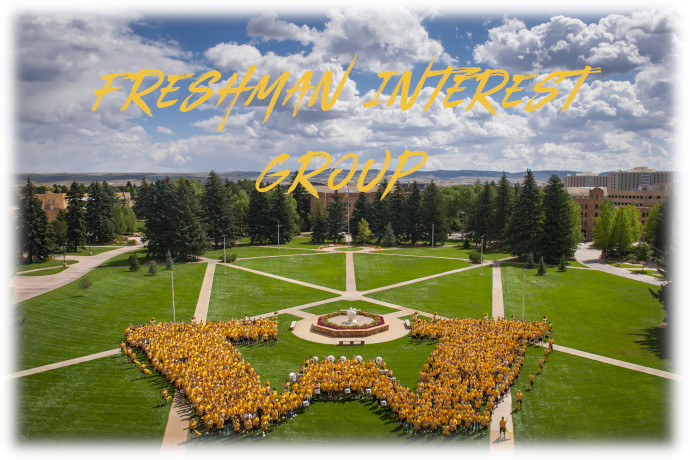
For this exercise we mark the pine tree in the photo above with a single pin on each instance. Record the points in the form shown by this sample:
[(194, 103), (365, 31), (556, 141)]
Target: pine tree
[(303, 200), (337, 215), (319, 223), (190, 238), (139, 204), (34, 231), (380, 214), (99, 213), (217, 212), (557, 230), (360, 211), (413, 221), (157, 204), (480, 217), (562, 266), (530, 260), (153, 267), (76, 217), (541, 269), (389, 237), (258, 217), (432, 212), (398, 210), (282, 214), (134, 264), (502, 209), (525, 226), (169, 262)]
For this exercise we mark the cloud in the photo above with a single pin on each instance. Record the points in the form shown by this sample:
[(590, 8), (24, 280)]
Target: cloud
[(267, 27), (164, 130)]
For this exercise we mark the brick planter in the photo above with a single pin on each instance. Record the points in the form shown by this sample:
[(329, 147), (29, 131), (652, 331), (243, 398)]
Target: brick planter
[(331, 332)]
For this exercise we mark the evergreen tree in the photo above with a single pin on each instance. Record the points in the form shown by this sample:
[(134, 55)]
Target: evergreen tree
[(34, 231), (360, 211), (557, 230), (363, 232), (139, 204), (525, 225), (319, 223), (413, 220), (502, 209), (480, 218), (432, 212), (398, 210), (281, 214), (380, 214), (157, 204), (337, 215), (134, 264), (217, 212), (541, 269), (389, 237), (76, 217), (153, 267), (562, 266), (530, 260), (99, 213), (169, 262), (258, 217), (601, 233), (59, 229), (190, 240), (239, 201), (303, 199)]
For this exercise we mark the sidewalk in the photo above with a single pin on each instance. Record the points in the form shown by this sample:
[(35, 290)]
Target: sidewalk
[(589, 256)]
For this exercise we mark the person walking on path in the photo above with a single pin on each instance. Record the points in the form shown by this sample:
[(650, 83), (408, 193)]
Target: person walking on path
[(502, 425)]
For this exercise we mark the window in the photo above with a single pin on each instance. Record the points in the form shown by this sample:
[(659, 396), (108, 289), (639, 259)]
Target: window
[(596, 214)]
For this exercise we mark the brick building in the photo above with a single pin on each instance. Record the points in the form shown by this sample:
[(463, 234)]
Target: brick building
[(54, 202), (640, 178)]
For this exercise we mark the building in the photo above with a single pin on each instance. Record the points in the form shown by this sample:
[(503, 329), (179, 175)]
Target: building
[(640, 178), (589, 200), (54, 202)]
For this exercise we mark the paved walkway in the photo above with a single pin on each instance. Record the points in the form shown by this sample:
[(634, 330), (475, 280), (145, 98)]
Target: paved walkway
[(26, 287), (589, 256), (69, 362)]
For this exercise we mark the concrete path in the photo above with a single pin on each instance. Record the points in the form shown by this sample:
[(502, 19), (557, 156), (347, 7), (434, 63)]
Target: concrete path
[(69, 362), (589, 256), (497, 292), (350, 280), (205, 293), (26, 287)]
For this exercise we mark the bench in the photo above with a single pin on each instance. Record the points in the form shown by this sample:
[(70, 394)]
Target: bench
[(292, 325), (407, 324), (351, 342)]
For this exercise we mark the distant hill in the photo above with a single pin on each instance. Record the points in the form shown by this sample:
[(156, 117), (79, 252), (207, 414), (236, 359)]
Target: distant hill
[(442, 177)]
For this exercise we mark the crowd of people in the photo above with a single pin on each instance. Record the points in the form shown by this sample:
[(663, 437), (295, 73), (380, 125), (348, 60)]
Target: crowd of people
[(475, 363)]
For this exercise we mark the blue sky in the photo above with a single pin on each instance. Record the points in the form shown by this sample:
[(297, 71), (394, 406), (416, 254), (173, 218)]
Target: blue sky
[(619, 119)]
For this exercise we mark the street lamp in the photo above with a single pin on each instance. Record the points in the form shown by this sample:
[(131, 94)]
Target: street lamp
[(432, 234), (225, 259), (172, 280), (278, 233), (524, 274), (481, 257), (347, 192)]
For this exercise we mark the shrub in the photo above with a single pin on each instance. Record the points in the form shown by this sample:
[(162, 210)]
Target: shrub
[(232, 258), (169, 262), (389, 237), (134, 264), (84, 283), (541, 269), (153, 267), (466, 244), (562, 266), (475, 257), (530, 260), (131, 242), (631, 258)]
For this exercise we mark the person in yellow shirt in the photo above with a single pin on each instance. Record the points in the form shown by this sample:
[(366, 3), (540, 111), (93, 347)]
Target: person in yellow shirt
[(502, 428), (519, 399)]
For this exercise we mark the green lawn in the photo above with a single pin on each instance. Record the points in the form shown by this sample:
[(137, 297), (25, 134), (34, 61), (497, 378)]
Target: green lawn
[(455, 251), (346, 304), (122, 260), (100, 400), (592, 311), (254, 251), (377, 270), (238, 293), (349, 249), (578, 400), (93, 249), (462, 294), (320, 269), (300, 242), (47, 271), (56, 262), (64, 324)]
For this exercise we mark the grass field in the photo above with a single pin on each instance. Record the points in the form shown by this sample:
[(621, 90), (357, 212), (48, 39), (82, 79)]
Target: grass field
[(122, 260), (602, 403), (592, 311), (254, 251), (64, 323), (455, 251), (377, 270), (466, 293), (92, 249), (56, 262), (238, 293), (321, 269)]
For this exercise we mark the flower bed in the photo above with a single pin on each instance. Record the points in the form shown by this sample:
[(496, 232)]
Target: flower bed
[(324, 321), (322, 325)]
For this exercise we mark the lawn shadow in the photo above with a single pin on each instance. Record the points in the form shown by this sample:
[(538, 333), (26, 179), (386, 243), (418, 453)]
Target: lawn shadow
[(655, 339)]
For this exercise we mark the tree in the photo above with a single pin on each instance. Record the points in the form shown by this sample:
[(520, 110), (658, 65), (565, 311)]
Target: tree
[(319, 223), (76, 217), (99, 213), (134, 264), (541, 268), (153, 267), (525, 225), (502, 209), (664, 294), (480, 217), (157, 205), (218, 218), (363, 232), (432, 212), (557, 238), (84, 283), (337, 215), (380, 215), (601, 233), (625, 228), (413, 214), (34, 231), (643, 252), (139, 204), (303, 200), (562, 266), (282, 213), (398, 210), (360, 211), (123, 218), (653, 225), (258, 217), (389, 237), (190, 240), (530, 260), (59, 229), (169, 262)]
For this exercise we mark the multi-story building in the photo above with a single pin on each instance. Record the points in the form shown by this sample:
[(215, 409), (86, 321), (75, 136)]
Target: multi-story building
[(54, 202), (640, 178)]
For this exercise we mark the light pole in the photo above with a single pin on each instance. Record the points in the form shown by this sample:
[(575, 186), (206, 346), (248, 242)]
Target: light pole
[(172, 280), (481, 257), (524, 274), (225, 258), (347, 192), (432, 234), (278, 233)]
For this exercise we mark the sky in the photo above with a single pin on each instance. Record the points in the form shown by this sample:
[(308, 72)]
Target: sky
[(621, 118)]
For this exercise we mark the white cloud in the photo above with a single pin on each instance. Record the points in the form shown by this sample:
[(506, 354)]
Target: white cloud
[(267, 27), (164, 130)]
